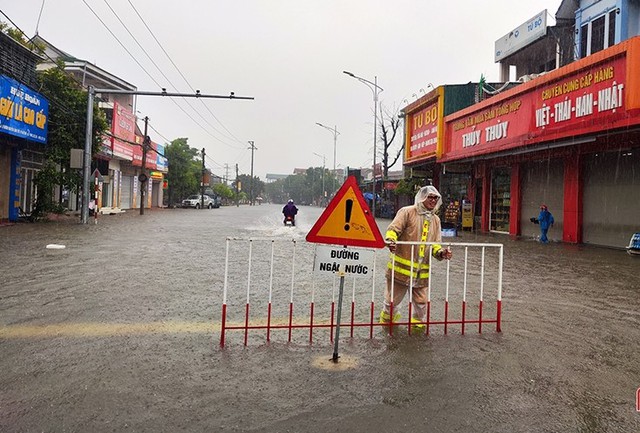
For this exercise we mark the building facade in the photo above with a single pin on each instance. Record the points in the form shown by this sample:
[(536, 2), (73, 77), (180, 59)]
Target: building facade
[(120, 159), (24, 117), (568, 137)]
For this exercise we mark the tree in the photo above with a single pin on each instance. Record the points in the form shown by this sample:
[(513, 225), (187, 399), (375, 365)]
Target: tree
[(67, 124), (185, 171), (314, 184), (223, 190), (390, 126), (18, 36), (245, 184)]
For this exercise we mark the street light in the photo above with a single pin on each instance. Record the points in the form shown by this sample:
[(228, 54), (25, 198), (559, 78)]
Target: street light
[(335, 139), (376, 90), (323, 165), (253, 148)]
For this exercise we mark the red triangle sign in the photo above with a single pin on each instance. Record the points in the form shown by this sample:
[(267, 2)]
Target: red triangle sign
[(347, 220)]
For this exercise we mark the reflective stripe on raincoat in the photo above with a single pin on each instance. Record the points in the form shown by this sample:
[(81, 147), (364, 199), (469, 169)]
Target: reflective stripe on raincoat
[(409, 226)]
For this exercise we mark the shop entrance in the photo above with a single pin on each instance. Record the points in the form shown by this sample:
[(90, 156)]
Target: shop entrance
[(500, 200)]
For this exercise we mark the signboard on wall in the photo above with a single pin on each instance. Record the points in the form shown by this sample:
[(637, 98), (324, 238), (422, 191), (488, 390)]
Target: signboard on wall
[(123, 129), (576, 104), (423, 129), (523, 35), (23, 112), (161, 161)]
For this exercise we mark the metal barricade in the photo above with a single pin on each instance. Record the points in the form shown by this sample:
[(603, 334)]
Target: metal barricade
[(266, 280)]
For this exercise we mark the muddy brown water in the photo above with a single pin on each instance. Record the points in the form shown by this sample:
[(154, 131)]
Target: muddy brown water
[(118, 332)]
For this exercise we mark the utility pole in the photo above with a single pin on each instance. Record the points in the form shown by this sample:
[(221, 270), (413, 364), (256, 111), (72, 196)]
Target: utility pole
[(226, 173), (143, 176), (237, 188), (335, 133), (202, 183), (92, 91), (376, 91), (323, 170), (252, 147)]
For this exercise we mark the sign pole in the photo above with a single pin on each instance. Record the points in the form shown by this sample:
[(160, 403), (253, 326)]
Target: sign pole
[(335, 345), (346, 221)]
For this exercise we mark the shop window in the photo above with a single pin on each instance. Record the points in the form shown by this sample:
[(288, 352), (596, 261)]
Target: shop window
[(584, 34), (500, 200), (597, 35), (612, 28)]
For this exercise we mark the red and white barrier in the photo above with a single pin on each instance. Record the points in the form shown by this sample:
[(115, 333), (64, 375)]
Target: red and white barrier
[(264, 279)]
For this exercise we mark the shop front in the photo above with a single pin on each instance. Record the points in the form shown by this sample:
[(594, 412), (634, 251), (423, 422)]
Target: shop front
[(569, 139), (122, 172), (424, 135), (24, 119)]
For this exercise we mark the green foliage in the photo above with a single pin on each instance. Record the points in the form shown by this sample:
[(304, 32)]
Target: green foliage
[(19, 37), (223, 191), (245, 183), (409, 186), (303, 188), (185, 171)]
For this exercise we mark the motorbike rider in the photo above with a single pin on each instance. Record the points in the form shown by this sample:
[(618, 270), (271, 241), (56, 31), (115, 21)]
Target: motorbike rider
[(290, 210)]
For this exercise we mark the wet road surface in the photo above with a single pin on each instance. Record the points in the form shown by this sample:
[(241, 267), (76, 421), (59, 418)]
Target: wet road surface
[(119, 331)]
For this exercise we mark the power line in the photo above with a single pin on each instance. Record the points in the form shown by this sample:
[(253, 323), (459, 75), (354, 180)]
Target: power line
[(121, 44), (179, 71), (160, 70), (147, 72), (57, 103)]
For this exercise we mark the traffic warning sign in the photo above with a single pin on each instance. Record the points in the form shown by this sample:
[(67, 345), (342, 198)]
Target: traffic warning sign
[(347, 220)]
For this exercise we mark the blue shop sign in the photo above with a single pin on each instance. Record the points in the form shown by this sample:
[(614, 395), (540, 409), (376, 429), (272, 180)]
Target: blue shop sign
[(23, 112)]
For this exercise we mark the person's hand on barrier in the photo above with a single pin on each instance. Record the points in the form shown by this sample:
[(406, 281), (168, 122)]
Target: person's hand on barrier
[(391, 244), (446, 254)]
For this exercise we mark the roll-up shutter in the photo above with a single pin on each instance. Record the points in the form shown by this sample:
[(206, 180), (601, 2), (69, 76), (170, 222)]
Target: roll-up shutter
[(542, 182), (127, 182), (611, 204)]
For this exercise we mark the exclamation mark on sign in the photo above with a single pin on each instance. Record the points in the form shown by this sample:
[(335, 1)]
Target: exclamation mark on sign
[(347, 216)]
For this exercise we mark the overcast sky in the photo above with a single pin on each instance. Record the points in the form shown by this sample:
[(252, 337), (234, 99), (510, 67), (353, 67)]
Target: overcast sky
[(287, 54)]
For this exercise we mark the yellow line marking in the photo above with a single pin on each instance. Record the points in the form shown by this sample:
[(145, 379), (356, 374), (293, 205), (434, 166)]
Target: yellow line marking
[(92, 329), (104, 329)]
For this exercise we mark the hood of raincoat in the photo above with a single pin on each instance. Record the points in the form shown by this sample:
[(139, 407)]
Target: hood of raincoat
[(421, 196)]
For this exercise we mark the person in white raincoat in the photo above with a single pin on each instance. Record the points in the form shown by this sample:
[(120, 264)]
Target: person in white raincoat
[(416, 223)]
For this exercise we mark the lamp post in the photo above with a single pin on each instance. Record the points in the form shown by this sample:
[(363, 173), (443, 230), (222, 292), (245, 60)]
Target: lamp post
[(253, 148), (323, 167), (376, 90), (335, 132)]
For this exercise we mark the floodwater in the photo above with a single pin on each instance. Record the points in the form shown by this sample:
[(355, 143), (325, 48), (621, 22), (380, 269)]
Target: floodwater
[(120, 331)]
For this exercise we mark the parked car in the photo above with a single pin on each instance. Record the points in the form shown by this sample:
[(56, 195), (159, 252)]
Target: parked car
[(216, 201), (196, 201)]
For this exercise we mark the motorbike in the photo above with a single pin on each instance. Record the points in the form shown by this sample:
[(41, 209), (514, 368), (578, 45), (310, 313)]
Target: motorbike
[(289, 221)]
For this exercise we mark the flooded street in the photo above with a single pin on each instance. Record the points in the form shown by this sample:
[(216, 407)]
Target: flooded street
[(120, 331)]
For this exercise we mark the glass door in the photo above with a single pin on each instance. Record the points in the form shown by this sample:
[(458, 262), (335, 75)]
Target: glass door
[(500, 200)]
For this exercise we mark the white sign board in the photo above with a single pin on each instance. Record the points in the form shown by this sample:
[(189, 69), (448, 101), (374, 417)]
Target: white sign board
[(353, 262), (521, 36)]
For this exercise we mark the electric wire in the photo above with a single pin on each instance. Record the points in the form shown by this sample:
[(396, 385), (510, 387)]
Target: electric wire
[(39, 16), (121, 44), (145, 70), (163, 74), (179, 71), (63, 107)]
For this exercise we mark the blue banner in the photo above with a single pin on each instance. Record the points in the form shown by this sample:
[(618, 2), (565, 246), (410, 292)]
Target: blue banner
[(23, 112), (161, 161)]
